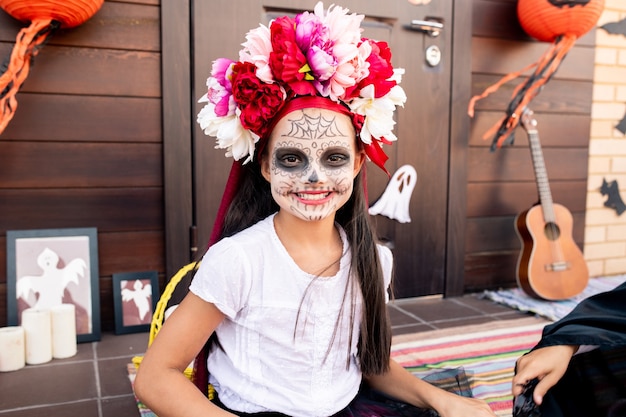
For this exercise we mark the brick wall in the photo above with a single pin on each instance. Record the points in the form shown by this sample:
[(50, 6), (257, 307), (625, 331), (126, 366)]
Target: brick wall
[(605, 230)]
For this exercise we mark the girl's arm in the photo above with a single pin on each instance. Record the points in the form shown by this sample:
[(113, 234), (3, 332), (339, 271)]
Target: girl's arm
[(402, 385), (160, 382)]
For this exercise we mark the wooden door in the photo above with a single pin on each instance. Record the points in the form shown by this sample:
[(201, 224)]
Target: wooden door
[(423, 126)]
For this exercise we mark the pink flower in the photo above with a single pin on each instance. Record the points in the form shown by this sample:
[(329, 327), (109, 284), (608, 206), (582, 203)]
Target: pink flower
[(343, 28), (322, 63), (219, 86), (344, 34), (309, 31), (312, 39)]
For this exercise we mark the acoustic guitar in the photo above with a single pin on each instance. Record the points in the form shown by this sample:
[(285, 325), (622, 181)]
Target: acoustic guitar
[(550, 265)]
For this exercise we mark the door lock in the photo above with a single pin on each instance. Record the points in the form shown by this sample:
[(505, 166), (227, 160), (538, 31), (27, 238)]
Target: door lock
[(433, 55)]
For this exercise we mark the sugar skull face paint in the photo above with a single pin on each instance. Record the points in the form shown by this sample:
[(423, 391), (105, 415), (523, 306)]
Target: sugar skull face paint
[(312, 163)]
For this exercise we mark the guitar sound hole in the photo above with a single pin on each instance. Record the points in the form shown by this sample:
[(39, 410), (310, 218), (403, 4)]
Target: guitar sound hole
[(552, 231)]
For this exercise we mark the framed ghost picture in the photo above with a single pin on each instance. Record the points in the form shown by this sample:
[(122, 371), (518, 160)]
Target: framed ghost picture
[(48, 267), (135, 295)]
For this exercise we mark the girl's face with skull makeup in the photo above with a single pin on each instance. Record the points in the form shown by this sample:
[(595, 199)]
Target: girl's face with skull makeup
[(311, 162)]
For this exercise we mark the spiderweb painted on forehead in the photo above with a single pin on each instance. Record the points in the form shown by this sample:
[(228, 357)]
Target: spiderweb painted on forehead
[(302, 103)]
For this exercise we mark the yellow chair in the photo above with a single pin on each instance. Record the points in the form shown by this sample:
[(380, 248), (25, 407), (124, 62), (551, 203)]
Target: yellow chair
[(159, 315)]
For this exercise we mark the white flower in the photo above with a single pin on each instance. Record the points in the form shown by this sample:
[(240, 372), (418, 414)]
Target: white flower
[(230, 134), (378, 113), (256, 49), (397, 75), (397, 95)]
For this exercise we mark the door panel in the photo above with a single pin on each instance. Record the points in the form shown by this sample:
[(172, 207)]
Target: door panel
[(422, 126)]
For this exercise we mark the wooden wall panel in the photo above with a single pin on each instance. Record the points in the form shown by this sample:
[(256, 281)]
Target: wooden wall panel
[(127, 252), (494, 234), (28, 164), (515, 164), (562, 96), (491, 270), (514, 56), (73, 70), (76, 118), (563, 130), (108, 209), (117, 25), (501, 183), (502, 199), (85, 146)]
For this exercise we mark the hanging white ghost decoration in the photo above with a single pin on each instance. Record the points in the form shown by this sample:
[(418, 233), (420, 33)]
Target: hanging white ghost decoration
[(394, 203)]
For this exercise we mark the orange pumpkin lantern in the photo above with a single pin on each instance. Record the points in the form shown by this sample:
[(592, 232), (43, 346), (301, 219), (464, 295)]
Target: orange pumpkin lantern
[(45, 17), (561, 22)]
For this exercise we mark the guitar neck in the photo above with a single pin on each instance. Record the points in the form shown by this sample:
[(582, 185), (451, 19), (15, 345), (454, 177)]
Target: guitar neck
[(541, 176)]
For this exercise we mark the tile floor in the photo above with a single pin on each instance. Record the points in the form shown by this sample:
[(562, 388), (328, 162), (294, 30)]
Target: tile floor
[(94, 383)]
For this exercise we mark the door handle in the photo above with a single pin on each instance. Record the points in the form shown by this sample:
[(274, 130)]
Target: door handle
[(430, 27)]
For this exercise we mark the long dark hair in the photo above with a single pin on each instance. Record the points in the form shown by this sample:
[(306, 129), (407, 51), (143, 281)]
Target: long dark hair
[(253, 202)]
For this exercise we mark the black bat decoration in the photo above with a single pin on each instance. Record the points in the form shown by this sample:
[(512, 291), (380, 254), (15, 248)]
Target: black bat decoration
[(615, 200), (621, 126), (615, 28)]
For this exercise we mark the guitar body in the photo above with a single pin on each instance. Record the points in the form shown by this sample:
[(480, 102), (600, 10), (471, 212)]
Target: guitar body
[(550, 266)]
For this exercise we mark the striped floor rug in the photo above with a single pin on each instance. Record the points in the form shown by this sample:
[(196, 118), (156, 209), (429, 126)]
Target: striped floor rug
[(487, 352)]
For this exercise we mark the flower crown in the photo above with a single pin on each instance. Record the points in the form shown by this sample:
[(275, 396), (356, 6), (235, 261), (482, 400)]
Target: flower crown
[(314, 54)]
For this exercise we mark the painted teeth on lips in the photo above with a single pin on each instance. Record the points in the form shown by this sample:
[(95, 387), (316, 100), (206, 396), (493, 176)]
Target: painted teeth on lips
[(313, 196)]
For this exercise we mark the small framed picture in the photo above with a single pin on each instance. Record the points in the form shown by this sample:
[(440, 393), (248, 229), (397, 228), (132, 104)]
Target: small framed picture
[(135, 295), (48, 267)]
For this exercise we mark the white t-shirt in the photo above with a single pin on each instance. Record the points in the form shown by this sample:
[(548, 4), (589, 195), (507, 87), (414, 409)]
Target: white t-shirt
[(269, 363)]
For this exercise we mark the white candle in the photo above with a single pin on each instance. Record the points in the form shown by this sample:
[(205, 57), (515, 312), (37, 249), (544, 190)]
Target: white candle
[(37, 335), (12, 350), (63, 331)]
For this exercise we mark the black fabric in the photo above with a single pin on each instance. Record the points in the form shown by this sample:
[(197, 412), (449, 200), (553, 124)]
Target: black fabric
[(599, 320), (372, 403), (595, 382), (524, 404)]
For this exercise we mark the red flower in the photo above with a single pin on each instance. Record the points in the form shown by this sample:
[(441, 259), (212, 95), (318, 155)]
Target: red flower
[(287, 61), (258, 101), (380, 70), (244, 82)]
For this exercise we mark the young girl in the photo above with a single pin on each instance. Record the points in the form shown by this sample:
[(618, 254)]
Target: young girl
[(293, 288)]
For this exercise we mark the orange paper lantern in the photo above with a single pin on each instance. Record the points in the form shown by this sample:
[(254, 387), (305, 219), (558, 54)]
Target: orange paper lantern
[(45, 17), (546, 20), (561, 22)]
